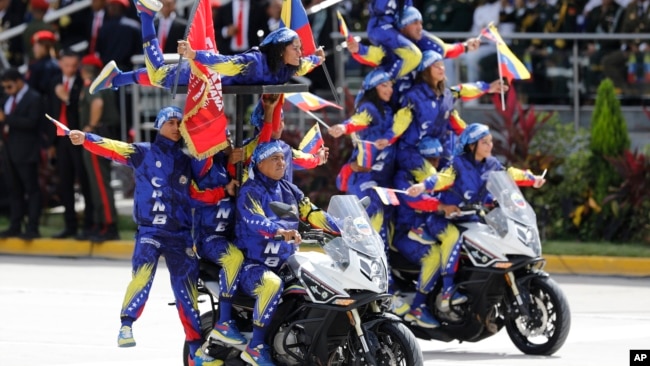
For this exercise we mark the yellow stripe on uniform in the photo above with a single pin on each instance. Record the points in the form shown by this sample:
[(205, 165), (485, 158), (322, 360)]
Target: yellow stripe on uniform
[(430, 265), (141, 277), (265, 292), (231, 263)]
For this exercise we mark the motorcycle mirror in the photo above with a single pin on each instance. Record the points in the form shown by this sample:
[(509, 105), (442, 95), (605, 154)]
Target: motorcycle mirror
[(365, 202), (282, 209)]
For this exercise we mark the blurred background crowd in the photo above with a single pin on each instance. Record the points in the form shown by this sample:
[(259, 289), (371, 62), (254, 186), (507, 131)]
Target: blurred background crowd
[(59, 46)]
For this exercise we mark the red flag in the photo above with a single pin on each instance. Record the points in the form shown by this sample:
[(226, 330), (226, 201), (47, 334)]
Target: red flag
[(204, 122)]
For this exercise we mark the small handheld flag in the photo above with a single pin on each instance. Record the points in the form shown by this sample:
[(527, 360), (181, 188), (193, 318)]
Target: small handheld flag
[(387, 195), (343, 28), (511, 67), (313, 140), (309, 102), (61, 129), (294, 16)]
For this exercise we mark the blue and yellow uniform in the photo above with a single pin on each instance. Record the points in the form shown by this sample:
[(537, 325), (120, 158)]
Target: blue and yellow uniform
[(374, 55), (256, 225), (411, 238), (248, 68), (432, 113), (382, 31), (373, 120), (463, 183), (162, 211), (214, 227)]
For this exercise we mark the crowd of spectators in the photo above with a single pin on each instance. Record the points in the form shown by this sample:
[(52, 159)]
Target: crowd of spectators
[(110, 30), (626, 62)]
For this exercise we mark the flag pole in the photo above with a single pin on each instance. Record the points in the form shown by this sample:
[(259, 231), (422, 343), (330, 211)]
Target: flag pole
[(503, 102), (329, 81), (180, 57), (316, 118)]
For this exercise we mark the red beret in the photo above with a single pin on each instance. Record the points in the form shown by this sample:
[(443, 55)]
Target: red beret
[(39, 4), (92, 60), (124, 3), (44, 35)]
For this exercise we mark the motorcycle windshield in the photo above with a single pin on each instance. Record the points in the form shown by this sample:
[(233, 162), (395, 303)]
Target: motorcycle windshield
[(354, 224), (511, 201)]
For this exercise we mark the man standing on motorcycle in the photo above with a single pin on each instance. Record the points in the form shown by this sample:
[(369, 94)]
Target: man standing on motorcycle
[(268, 240), (162, 211), (463, 183)]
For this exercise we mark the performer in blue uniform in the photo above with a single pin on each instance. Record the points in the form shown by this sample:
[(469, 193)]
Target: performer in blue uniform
[(411, 239), (375, 128), (384, 16), (462, 183), (162, 210), (276, 61), (214, 227), (256, 226), (410, 26), (431, 104)]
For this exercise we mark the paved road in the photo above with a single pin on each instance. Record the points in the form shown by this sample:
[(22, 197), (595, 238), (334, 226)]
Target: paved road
[(65, 312)]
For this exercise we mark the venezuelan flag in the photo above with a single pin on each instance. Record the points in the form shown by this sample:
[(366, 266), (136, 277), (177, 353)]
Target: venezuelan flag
[(294, 17), (343, 28), (367, 153), (313, 141), (61, 129), (511, 67), (308, 101)]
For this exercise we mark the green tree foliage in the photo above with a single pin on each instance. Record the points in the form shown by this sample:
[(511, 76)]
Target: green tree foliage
[(609, 135), (609, 139)]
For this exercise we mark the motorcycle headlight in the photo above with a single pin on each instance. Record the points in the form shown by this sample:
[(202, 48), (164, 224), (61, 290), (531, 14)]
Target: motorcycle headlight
[(378, 275), (530, 237)]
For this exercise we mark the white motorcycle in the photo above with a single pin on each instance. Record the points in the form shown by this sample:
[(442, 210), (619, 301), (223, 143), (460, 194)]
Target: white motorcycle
[(501, 273), (333, 309)]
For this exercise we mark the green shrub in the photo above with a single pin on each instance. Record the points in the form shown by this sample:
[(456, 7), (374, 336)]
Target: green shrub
[(563, 151), (609, 138)]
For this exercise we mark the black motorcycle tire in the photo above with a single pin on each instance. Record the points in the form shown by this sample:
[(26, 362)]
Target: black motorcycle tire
[(206, 328), (547, 291), (401, 341)]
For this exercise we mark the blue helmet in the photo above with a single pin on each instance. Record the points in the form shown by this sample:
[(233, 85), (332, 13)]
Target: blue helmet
[(428, 58), (265, 150), (166, 114), (472, 134), (374, 78), (430, 147), (410, 14), (280, 35)]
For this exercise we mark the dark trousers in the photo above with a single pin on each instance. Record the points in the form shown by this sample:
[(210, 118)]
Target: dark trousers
[(25, 194), (70, 168), (99, 175)]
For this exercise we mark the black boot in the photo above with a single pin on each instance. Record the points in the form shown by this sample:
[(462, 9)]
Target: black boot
[(108, 232), (65, 233)]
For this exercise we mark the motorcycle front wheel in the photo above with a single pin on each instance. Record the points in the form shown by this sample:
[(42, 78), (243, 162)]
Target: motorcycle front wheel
[(397, 346), (545, 330)]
